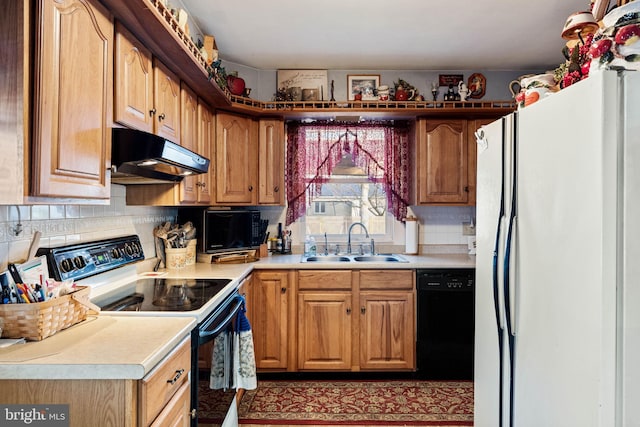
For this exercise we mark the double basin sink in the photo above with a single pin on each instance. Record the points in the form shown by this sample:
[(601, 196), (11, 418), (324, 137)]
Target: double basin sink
[(380, 258)]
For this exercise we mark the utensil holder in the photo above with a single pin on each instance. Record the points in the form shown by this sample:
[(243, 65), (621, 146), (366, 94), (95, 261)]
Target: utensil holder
[(176, 258)]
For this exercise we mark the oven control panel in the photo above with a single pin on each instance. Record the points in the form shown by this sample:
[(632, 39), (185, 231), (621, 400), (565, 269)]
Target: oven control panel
[(82, 260)]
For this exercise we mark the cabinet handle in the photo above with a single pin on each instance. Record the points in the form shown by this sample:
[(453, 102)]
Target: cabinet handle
[(161, 117), (176, 376), (466, 189), (283, 290), (349, 310), (251, 188), (193, 414), (152, 112), (276, 189), (363, 310)]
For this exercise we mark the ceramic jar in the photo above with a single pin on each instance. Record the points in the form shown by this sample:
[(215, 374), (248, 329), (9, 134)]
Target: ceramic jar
[(383, 93), (530, 88)]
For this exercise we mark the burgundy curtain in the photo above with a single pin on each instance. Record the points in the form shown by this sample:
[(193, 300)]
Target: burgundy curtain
[(380, 149)]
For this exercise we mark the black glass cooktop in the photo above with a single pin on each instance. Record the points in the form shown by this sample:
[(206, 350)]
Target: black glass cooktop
[(163, 295)]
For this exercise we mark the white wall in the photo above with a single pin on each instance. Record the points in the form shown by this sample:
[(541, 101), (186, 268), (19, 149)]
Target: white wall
[(66, 224)]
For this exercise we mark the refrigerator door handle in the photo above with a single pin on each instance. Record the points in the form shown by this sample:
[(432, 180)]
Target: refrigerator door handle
[(510, 277)]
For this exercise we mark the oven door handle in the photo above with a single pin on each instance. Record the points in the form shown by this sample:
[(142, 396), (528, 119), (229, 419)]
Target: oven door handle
[(206, 334)]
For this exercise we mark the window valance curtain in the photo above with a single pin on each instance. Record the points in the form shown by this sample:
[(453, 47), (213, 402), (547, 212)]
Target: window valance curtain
[(381, 150)]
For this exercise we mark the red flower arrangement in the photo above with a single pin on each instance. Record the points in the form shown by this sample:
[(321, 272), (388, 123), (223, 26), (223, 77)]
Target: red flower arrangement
[(577, 65)]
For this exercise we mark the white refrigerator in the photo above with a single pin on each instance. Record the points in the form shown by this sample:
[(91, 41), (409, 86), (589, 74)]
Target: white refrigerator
[(557, 331)]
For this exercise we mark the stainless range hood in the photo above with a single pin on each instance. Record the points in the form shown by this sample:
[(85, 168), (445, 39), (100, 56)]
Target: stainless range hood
[(139, 157)]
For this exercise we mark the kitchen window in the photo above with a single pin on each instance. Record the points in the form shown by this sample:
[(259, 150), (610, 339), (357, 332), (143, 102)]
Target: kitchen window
[(338, 174)]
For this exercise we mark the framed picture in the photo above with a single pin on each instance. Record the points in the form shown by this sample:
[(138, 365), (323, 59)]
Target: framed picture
[(303, 85), (449, 79), (477, 85), (363, 86)]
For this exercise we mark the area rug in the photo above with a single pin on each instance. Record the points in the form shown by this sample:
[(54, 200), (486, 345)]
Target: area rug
[(363, 402)]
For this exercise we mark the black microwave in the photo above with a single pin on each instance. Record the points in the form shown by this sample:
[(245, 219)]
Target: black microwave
[(224, 230)]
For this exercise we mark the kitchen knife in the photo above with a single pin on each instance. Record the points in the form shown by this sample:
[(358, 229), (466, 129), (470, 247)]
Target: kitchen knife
[(15, 274)]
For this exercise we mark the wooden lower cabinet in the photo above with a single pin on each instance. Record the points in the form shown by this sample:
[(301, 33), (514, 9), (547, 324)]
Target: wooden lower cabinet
[(324, 330), (162, 398), (356, 320), (270, 293), (387, 330)]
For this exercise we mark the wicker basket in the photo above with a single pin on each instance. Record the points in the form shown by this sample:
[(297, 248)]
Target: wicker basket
[(37, 321)]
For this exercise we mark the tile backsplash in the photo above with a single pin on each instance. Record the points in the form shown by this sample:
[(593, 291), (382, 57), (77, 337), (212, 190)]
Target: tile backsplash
[(439, 226), (66, 224)]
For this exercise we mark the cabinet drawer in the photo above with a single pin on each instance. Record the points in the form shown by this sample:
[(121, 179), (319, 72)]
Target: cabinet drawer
[(386, 279), (159, 386), (324, 279), (176, 413)]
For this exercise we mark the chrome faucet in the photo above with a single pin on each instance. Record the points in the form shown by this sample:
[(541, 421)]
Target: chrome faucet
[(349, 234), (326, 244)]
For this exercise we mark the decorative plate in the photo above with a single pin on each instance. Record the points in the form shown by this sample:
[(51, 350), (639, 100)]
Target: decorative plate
[(477, 85)]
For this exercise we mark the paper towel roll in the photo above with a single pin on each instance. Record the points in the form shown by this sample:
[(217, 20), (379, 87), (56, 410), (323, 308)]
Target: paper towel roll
[(411, 239)]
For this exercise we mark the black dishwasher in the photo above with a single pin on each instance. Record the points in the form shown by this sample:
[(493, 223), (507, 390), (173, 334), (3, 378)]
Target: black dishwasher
[(445, 315)]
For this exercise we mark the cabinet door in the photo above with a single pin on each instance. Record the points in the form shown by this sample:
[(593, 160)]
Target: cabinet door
[(166, 98), (271, 163), (269, 318), (324, 330), (387, 330), (188, 139), (206, 139), (133, 82), (73, 100), (236, 159), (442, 162)]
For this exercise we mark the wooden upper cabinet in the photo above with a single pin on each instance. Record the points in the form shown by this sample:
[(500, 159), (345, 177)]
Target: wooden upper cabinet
[(271, 189), (189, 139), (206, 139), (133, 82), (442, 162), (236, 159), (73, 100), (166, 96)]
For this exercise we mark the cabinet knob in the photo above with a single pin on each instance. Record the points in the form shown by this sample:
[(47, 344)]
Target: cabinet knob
[(276, 189), (152, 112), (363, 310), (349, 310), (161, 117), (203, 184), (193, 414), (251, 188), (283, 290), (466, 189)]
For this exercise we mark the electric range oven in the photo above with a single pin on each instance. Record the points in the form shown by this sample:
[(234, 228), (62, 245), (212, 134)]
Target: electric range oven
[(107, 266)]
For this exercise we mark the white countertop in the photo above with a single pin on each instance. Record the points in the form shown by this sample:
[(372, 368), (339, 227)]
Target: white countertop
[(238, 271), (101, 347), (128, 346)]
